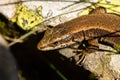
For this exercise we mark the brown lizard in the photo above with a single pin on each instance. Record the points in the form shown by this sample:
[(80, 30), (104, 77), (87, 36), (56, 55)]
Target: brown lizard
[(105, 27)]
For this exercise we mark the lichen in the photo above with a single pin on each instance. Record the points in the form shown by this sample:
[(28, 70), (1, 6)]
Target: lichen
[(27, 19), (111, 7)]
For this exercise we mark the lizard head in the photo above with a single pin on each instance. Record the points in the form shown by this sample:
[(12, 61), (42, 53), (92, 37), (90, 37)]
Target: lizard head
[(54, 40), (66, 34)]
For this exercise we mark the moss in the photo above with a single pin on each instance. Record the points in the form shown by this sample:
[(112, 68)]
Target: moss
[(27, 19)]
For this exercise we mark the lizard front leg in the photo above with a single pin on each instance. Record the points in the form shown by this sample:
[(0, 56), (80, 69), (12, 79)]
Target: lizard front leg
[(83, 48)]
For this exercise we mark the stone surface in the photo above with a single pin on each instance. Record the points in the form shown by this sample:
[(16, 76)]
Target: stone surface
[(105, 65)]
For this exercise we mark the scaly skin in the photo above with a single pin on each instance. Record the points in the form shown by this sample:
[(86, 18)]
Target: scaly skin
[(84, 27)]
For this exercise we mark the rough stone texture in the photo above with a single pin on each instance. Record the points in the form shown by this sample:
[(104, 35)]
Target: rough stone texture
[(98, 63), (67, 52), (7, 9), (114, 65), (105, 65)]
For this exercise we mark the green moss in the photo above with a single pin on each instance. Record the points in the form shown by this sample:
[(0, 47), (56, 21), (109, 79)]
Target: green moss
[(27, 19)]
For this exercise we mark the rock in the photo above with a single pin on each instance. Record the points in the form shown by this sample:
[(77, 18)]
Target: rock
[(105, 65)]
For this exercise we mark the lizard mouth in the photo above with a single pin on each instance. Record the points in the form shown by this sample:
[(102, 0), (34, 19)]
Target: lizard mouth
[(56, 45), (48, 47), (53, 46)]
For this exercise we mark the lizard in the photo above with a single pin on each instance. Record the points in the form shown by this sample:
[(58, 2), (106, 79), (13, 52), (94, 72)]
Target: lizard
[(97, 27), (103, 26)]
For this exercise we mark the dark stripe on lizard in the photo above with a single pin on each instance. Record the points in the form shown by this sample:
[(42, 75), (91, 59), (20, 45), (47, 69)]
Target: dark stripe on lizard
[(103, 36)]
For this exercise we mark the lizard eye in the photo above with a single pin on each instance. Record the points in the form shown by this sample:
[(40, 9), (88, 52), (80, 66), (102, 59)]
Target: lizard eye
[(57, 43), (54, 44)]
